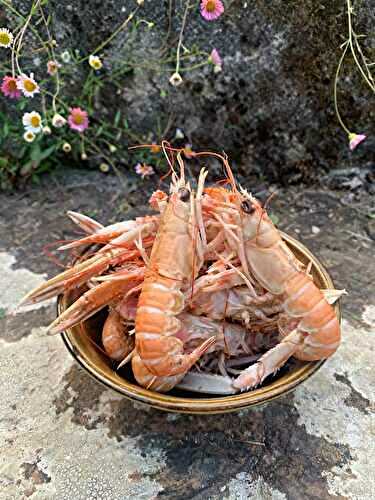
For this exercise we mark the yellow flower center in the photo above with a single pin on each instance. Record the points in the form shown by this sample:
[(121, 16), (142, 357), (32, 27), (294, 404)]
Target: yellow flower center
[(35, 121), (12, 85), (4, 38), (29, 85), (211, 6), (78, 119)]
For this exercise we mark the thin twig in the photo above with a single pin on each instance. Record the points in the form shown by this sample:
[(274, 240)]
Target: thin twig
[(181, 37), (335, 88), (113, 35), (57, 90), (23, 31), (350, 11)]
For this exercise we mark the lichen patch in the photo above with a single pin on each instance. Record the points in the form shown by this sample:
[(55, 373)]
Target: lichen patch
[(46, 454), (245, 487), (328, 409), (368, 316)]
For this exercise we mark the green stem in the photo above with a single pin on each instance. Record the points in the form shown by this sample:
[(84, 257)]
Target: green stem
[(21, 16), (360, 51), (23, 31), (335, 88), (350, 8), (57, 78), (181, 37), (113, 35), (108, 160), (198, 65)]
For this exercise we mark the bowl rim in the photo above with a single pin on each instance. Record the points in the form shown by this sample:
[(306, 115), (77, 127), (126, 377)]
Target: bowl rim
[(207, 405)]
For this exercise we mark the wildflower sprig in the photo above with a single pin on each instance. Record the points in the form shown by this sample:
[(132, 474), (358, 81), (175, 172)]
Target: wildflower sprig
[(353, 47), (51, 121), (176, 78)]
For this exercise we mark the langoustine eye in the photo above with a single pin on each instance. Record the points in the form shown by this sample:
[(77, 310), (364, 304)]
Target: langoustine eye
[(184, 194), (247, 207)]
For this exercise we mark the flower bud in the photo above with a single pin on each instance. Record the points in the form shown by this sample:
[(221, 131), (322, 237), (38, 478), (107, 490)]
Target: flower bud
[(103, 167)]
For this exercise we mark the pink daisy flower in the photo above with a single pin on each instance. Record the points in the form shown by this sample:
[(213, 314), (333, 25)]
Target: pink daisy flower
[(78, 119), (53, 67), (9, 87), (144, 170), (355, 140), (215, 58), (211, 9)]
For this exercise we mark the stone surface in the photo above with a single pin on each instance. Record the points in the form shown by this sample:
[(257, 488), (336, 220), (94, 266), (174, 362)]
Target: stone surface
[(271, 108), (64, 436)]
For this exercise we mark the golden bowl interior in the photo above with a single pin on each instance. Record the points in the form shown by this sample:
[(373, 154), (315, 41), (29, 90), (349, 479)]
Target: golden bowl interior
[(82, 341)]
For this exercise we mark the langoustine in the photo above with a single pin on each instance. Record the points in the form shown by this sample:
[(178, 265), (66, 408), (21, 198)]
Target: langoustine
[(311, 328), (219, 230)]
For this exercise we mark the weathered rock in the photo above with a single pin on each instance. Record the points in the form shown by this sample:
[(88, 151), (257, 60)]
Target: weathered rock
[(63, 435), (271, 108)]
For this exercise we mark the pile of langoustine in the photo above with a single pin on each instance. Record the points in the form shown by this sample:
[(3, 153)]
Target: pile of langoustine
[(206, 287)]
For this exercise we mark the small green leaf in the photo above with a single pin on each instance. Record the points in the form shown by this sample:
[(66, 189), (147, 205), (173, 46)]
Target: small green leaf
[(22, 105), (3, 162), (46, 153), (117, 118), (6, 129), (36, 153)]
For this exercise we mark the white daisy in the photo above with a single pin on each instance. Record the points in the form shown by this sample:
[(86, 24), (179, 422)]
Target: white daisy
[(95, 62), (58, 121), (6, 38), (32, 122), (66, 147), (29, 136), (28, 85), (65, 56), (175, 79)]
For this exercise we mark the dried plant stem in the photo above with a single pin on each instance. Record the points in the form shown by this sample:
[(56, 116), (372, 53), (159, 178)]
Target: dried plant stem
[(346, 46), (113, 35), (181, 37), (366, 65), (34, 6), (57, 90), (360, 61), (350, 39)]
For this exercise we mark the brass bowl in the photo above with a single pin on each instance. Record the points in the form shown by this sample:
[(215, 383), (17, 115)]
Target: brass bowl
[(79, 342)]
